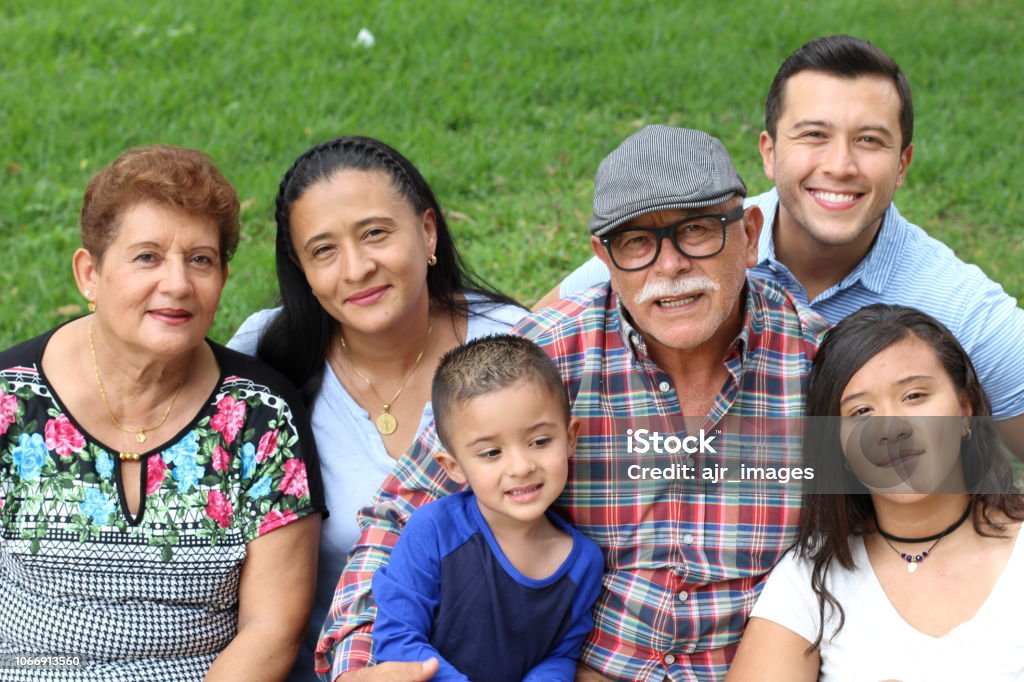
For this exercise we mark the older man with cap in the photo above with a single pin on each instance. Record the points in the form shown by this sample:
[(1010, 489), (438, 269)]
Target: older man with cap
[(679, 340)]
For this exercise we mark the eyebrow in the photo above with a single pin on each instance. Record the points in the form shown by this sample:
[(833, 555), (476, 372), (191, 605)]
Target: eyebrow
[(533, 427), (356, 225), (901, 382)]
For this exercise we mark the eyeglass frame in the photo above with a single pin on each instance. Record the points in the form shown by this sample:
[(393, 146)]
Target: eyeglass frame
[(661, 233)]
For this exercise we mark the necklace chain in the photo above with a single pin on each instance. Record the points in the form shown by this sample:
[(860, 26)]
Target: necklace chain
[(139, 433), (914, 559), (386, 422)]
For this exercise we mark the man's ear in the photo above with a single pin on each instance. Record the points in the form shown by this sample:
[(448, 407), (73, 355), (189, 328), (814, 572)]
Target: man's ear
[(753, 221), (600, 251), (767, 146), (451, 467), (906, 156)]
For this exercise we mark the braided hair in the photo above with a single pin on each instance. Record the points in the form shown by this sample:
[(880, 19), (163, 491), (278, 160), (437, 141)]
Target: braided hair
[(297, 339)]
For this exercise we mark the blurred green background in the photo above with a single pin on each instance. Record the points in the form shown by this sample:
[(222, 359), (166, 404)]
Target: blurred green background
[(507, 108)]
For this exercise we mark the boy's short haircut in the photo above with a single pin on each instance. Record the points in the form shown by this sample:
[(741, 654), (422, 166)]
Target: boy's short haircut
[(486, 365)]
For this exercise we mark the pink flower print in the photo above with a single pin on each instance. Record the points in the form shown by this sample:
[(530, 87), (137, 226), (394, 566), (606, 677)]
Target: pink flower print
[(221, 459), (62, 437), (218, 508), (267, 446), (294, 481), (275, 519), (8, 408), (229, 418), (155, 473)]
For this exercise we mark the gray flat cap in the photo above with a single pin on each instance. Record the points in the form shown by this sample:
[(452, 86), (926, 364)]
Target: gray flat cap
[(662, 168)]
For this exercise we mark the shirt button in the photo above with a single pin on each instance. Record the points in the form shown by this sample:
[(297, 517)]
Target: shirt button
[(683, 596), (689, 462), (688, 538), (669, 659), (664, 386)]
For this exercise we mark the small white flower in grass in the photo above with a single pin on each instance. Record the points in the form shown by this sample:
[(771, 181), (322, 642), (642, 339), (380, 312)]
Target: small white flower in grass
[(364, 38)]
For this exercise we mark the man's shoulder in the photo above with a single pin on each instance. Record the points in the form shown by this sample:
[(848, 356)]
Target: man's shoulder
[(585, 313), (780, 312)]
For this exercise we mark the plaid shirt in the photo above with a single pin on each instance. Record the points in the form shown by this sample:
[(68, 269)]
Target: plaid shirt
[(684, 560)]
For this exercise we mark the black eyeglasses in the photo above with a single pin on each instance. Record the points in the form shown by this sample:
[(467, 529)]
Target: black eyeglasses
[(698, 236)]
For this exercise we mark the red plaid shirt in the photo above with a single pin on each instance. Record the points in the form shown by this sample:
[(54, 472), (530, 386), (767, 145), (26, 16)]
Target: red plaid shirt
[(684, 560)]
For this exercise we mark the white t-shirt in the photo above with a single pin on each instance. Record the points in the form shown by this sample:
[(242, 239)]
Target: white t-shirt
[(877, 644), (353, 459)]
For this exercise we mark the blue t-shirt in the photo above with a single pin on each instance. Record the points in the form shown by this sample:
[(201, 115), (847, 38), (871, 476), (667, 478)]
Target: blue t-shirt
[(450, 592)]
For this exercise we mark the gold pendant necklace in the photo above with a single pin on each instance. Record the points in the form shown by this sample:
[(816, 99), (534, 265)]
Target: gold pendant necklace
[(139, 433), (386, 422)]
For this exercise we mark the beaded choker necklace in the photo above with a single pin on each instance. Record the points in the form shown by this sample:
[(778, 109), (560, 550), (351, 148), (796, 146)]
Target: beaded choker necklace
[(914, 559)]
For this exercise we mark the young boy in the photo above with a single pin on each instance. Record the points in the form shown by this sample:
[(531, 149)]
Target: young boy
[(488, 581)]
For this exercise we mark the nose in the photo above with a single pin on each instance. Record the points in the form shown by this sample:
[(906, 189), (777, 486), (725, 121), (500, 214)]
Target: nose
[(355, 264), (893, 429), (520, 464), (175, 281), (839, 159), (669, 261)]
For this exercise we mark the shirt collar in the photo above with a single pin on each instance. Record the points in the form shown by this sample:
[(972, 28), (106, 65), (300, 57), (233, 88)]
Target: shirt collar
[(873, 271)]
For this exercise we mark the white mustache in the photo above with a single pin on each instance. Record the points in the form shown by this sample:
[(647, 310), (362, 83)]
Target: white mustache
[(673, 288)]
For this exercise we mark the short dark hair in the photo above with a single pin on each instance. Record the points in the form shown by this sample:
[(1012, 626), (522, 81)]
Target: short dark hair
[(175, 177), (846, 57), (828, 520), (489, 364)]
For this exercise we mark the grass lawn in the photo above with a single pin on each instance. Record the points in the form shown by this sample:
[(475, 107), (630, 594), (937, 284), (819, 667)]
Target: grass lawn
[(507, 108)]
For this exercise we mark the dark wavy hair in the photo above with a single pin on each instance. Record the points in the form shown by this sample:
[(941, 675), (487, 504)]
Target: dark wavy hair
[(829, 520), (845, 57), (297, 339)]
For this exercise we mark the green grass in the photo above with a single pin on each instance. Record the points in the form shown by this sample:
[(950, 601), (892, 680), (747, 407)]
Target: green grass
[(507, 108)]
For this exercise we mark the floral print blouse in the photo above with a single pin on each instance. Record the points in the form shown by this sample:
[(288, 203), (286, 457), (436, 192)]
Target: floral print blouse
[(152, 595)]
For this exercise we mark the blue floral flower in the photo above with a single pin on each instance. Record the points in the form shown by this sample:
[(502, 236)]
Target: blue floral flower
[(97, 506), (186, 447), (248, 460), (30, 455), (104, 464), (261, 488), (187, 473)]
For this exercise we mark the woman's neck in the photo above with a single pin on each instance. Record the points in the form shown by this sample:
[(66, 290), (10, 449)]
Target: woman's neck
[(919, 519), (391, 351), (131, 374)]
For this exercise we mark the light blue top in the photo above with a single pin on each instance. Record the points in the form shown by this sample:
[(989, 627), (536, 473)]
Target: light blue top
[(353, 459), (905, 266)]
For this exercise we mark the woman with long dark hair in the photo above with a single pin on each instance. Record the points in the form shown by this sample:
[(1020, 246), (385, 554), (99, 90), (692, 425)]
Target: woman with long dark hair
[(373, 293), (907, 566)]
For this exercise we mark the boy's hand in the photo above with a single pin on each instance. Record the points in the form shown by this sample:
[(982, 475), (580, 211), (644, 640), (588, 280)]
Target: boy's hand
[(585, 674), (394, 672)]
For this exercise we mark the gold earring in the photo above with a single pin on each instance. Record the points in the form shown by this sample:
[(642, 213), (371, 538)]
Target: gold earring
[(90, 305), (431, 259)]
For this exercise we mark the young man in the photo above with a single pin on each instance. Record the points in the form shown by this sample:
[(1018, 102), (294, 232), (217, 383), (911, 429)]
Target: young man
[(680, 341), (837, 143)]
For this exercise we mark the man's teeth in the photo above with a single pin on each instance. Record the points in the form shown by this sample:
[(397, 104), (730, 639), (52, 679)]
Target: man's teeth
[(834, 197), (676, 302)]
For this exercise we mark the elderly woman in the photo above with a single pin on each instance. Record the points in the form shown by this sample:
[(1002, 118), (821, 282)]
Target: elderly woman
[(160, 493), (373, 294)]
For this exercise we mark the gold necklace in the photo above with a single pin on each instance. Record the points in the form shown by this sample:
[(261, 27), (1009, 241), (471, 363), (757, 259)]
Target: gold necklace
[(386, 422), (140, 433)]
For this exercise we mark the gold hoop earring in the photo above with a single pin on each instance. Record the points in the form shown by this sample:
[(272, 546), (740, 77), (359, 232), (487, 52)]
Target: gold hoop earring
[(431, 259)]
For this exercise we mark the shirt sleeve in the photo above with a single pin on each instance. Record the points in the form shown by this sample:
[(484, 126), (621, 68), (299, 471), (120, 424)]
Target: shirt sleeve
[(590, 274), (990, 330), (346, 638), (407, 592), (247, 338), (788, 598), (560, 664), (279, 471)]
